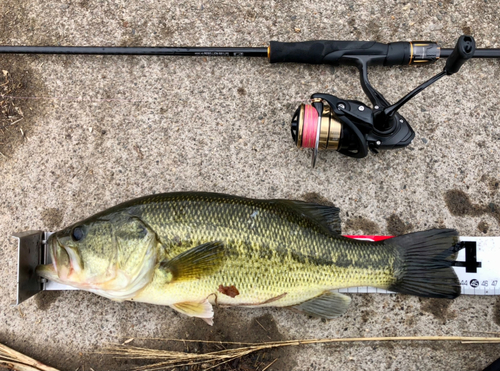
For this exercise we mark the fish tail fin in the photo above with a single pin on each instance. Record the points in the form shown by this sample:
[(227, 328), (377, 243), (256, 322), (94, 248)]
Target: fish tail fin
[(423, 264)]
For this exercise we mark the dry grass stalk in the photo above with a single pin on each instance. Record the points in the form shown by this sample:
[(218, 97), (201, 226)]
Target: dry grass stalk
[(269, 365), (170, 359), (19, 362)]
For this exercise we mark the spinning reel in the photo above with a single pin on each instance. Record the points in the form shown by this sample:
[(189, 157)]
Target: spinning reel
[(351, 127)]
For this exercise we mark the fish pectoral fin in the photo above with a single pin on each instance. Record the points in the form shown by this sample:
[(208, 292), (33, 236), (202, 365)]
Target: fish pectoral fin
[(328, 305), (203, 310), (195, 263)]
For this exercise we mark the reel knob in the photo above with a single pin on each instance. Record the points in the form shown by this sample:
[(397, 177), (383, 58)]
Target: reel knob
[(463, 51)]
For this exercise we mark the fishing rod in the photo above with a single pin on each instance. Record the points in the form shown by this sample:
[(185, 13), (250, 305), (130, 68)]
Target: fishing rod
[(328, 122)]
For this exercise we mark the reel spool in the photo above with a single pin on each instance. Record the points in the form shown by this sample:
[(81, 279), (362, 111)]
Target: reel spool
[(320, 130), (330, 123)]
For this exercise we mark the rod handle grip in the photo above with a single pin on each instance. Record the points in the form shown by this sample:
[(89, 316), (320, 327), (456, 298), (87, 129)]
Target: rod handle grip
[(338, 52)]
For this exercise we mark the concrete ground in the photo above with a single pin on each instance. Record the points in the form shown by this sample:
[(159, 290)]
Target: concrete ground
[(96, 131)]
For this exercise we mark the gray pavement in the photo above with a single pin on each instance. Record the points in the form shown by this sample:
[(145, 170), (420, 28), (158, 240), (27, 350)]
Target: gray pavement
[(100, 130)]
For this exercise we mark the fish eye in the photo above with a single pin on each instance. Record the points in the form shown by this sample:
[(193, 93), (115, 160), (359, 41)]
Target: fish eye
[(77, 233)]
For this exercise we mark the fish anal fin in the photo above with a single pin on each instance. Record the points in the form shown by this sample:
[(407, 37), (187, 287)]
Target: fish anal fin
[(203, 310), (328, 305), (326, 217), (195, 263)]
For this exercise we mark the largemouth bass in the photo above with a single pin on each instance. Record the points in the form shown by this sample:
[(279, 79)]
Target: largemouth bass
[(193, 250)]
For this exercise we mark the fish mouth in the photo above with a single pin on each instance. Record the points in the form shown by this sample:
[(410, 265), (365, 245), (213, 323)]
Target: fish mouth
[(60, 268), (49, 271)]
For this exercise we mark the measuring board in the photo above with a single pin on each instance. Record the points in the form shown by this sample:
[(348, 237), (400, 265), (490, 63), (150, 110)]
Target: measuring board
[(477, 266)]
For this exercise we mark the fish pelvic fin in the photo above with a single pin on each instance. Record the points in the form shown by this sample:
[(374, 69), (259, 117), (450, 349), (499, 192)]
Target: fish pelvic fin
[(203, 310), (195, 263), (423, 264), (326, 217), (328, 305)]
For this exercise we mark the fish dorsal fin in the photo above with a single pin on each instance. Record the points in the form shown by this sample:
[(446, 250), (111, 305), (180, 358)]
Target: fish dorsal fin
[(328, 305), (195, 263), (203, 310), (326, 217)]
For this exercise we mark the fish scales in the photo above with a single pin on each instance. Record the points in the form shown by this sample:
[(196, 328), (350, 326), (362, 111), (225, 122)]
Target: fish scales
[(192, 250), (276, 250)]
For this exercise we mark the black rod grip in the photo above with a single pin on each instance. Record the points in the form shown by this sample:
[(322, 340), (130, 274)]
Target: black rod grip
[(322, 51), (339, 52)]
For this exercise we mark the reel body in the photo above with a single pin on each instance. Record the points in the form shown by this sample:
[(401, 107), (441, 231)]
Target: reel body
[(346, 126)]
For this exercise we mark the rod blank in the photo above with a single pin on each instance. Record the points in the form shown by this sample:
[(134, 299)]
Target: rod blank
[(479, 53), (116, 50)]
